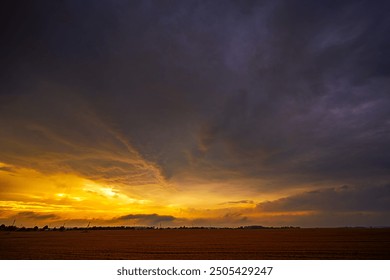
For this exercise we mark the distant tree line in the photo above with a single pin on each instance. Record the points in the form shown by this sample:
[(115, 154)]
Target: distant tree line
[(3, 227)]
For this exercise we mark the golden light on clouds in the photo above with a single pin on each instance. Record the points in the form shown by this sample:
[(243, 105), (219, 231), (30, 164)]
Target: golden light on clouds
[(65, 195), (53, 198)]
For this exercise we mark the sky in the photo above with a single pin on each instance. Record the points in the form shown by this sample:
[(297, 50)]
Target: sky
[(195, 113)]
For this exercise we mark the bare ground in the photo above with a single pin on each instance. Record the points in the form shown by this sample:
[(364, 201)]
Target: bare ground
[(343, 243)]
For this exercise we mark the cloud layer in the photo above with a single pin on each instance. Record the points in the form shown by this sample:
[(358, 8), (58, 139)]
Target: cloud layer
[(251, 100)]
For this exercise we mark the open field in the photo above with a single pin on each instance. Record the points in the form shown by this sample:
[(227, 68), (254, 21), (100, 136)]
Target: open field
[(346, 243)]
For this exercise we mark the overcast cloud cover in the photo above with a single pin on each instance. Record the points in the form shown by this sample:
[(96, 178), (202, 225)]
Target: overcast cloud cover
[(274, 95)]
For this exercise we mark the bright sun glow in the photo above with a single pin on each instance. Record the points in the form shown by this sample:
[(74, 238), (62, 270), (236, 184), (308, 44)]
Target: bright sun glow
[(31, 195)]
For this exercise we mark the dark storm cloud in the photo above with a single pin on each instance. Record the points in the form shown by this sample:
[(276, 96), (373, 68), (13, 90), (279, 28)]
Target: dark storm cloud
[(149, 219), (342, 199), (297, 92), (316, 101)]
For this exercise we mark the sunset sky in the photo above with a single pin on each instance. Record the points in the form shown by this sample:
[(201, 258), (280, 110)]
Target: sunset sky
[(195, 113)]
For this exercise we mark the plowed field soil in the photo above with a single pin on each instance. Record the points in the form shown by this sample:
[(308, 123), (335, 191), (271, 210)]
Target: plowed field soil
[(341, 243)]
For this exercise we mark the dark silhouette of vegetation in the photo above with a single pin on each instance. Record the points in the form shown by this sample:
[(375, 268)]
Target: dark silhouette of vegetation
[(3, 227)]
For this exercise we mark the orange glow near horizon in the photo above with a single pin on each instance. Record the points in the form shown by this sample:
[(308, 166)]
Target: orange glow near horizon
[(32, 197)]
